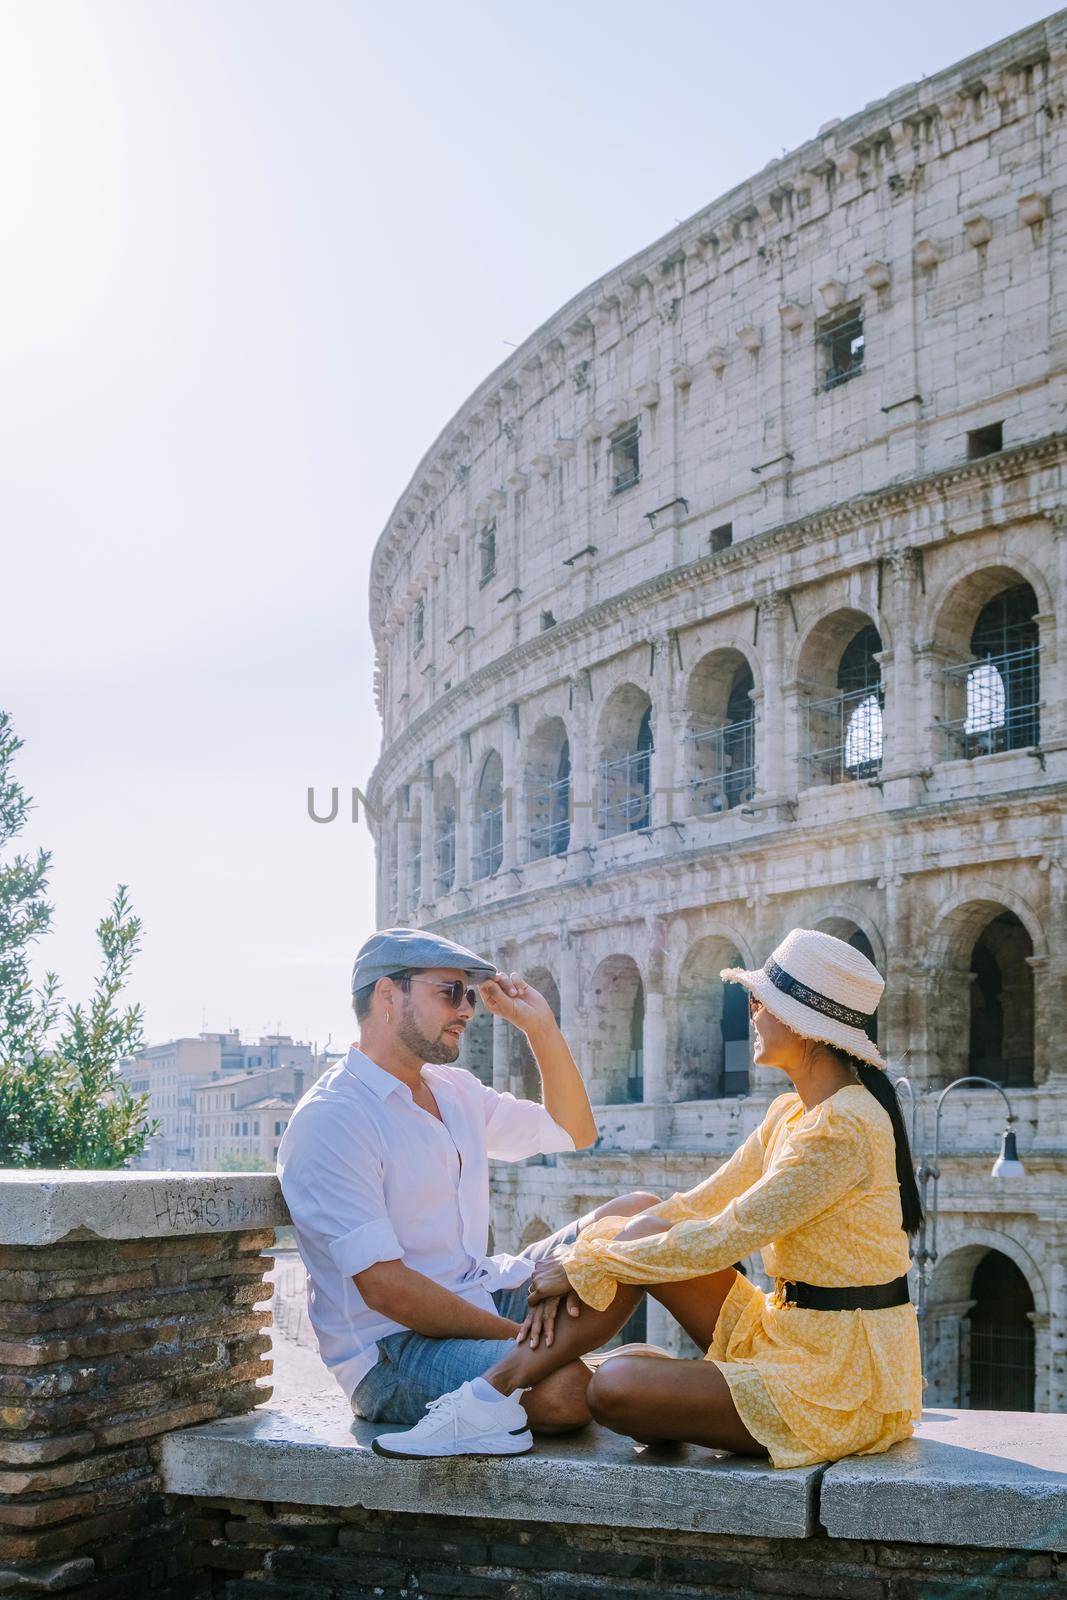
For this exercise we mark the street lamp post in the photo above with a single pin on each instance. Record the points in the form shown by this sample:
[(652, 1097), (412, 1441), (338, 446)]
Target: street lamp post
[(928, 1174)]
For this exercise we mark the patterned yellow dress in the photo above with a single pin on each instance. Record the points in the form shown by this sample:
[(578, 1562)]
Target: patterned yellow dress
[(816, 1191)]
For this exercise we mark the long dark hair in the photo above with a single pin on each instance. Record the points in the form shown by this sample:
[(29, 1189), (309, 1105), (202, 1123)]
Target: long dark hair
[(881, 1087)]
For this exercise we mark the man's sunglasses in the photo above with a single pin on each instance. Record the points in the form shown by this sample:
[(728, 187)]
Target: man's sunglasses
[(455, 992)]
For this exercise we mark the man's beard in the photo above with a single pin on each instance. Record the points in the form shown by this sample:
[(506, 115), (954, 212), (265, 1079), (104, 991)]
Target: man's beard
[(438, 1052)]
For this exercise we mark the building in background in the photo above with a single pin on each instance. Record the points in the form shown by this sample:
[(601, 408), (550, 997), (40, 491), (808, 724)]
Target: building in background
[(239, 1119), (195, 1087), (736, 600)]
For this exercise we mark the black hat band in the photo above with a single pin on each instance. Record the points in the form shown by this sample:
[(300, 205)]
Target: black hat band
[(813, 999)]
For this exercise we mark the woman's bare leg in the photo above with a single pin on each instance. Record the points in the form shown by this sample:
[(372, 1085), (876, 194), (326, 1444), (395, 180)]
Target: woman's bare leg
[(696, 1302), (652, 1400), (554, 1376)]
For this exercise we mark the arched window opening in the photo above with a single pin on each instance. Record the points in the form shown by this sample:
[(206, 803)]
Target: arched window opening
[(845, 731), (714, 1053), (1002, 1003), (488, 852), (993, 701), (625, 770), (999, 1346), (723, 745), (616, 1031), (549, 792), (859, 682)]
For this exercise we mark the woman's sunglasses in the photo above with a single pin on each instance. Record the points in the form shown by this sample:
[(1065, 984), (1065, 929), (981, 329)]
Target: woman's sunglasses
[(455, 992)]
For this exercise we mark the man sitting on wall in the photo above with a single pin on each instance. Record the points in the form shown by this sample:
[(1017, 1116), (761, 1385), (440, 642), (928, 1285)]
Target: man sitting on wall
[(385, 1170)]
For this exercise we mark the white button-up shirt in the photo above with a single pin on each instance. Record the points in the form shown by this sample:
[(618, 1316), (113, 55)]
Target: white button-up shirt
[(370, 1176)]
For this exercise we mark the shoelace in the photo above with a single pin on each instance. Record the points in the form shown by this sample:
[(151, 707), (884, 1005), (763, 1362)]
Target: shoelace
[(443, 1404)]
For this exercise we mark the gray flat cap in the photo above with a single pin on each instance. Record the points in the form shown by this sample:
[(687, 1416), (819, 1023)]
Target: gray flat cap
[(406, 949)]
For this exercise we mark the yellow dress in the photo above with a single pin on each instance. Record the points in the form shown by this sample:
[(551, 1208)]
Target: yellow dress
[(816, 1192)]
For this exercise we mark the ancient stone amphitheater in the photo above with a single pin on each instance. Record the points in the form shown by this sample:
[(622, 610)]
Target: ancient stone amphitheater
[(736, 599)]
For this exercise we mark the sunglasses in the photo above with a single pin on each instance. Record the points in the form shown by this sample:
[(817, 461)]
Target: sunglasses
[(754, 1005), (455, 992)]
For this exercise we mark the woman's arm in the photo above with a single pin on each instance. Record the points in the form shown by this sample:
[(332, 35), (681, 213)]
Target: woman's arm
[(707, 1199), (819, 1164)]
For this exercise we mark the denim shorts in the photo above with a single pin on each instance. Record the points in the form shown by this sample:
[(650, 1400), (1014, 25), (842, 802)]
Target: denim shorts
[(413, 1369)]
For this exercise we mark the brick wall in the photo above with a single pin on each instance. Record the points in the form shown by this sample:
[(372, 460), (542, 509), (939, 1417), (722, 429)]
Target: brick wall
[(105, 1345), (251, 1551)]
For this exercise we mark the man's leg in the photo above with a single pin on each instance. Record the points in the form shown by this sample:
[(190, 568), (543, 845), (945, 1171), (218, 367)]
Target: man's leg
[(469, 1417)]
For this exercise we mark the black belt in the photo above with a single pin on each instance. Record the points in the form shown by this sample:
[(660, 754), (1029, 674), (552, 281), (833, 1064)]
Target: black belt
[(817, 1297)]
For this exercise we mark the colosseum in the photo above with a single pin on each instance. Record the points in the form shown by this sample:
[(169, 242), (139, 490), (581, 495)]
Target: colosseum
[(736, 599)]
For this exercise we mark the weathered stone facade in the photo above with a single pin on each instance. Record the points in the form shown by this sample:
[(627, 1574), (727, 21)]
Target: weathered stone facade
[(736, 599)]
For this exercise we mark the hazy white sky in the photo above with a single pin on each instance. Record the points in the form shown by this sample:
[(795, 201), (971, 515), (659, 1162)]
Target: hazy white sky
[(253, 256)]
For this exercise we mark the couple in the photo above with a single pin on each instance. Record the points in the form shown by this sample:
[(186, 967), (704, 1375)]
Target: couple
[(384, 1167)]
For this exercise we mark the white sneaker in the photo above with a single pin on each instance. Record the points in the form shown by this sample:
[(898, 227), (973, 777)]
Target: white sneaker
[(459, 1424)]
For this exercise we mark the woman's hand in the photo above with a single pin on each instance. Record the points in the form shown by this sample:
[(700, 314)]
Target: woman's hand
[(540, 1320), (549, 1282)]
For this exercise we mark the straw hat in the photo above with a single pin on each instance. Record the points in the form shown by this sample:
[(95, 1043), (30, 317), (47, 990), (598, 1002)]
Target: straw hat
[(820, 987)]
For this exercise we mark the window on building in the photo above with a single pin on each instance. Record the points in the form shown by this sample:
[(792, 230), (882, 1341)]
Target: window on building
[(418, 626), (488, 851), (547, 621), (985, 441), (722, 537), (244, 1130), (487, 552), (277, 1132), (255, 1128), (444, 840), (275, 1157), (1003, 693), (625, 457), (841, 346)]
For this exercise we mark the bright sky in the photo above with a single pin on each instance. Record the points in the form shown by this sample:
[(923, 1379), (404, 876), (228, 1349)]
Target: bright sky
[(253, 256)]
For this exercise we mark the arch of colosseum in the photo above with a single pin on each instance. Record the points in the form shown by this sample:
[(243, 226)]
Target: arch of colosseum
[(736, 599)]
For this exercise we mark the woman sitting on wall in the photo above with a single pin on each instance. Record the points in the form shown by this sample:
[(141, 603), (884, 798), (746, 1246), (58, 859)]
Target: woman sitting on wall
[(828, 1364)]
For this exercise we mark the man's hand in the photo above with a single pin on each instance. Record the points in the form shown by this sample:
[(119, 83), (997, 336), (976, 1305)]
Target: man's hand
[(518, 1002), (540, 1320)]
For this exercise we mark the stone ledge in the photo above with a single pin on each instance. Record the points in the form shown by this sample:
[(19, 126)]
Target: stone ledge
[(43, 1208), (313, 1454), (988, 1479), (978, 1479)]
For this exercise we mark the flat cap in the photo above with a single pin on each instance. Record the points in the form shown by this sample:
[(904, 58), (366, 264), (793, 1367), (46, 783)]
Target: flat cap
[(407, 949)]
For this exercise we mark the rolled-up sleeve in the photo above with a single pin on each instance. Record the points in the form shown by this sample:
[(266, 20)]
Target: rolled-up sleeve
[(515, 1129), (334, 1188)]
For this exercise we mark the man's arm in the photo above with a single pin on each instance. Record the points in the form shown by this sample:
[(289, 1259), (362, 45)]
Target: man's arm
[(562, 1089), (415, 1301)]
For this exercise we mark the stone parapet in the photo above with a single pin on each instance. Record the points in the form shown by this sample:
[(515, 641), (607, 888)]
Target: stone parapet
[(969, 1480), (128, 1309)]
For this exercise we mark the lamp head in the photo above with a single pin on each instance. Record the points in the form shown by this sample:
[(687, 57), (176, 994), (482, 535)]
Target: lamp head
[(1007, 1164)]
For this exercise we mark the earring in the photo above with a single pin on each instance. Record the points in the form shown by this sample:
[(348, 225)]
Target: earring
[(388, 1016)]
